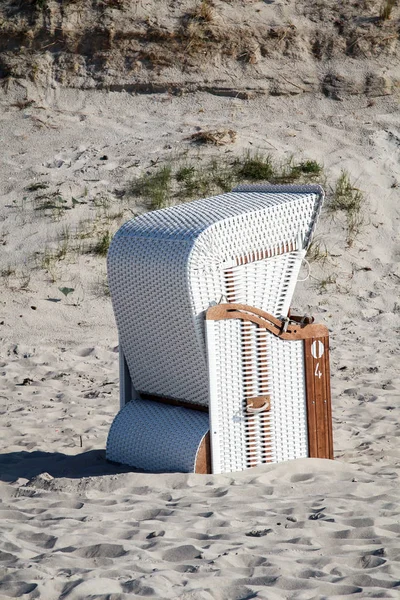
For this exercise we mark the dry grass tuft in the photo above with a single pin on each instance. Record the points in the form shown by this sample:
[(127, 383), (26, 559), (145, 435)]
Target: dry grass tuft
[(318, 252), (22, 104), (218, 137), (386, 10), (200, 31), (203, 12)]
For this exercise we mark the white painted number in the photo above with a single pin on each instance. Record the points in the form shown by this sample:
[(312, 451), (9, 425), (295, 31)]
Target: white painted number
[(317, 371), (317, 349)]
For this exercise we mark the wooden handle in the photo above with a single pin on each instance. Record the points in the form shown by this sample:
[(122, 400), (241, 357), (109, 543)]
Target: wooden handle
[(258, 404)]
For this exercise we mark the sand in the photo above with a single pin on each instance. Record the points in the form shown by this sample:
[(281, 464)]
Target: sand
[(75, 527)]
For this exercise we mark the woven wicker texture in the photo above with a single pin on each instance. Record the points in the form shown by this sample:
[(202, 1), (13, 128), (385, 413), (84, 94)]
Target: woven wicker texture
[(167, 267), (156, 437), (246, 361), (288, 189)]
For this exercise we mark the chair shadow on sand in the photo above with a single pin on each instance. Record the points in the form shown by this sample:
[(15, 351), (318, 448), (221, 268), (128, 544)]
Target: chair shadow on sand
[(92, 463)]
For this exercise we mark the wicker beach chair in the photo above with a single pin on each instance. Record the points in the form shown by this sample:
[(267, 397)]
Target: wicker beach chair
[(166, 269)]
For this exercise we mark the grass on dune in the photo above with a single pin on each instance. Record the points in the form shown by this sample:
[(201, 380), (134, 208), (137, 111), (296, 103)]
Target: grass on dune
[(182, 181)]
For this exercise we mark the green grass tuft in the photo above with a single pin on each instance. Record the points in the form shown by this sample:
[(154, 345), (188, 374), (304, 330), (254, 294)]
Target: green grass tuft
[(168, 185), (185, 174), (155, 187), (349, 200), (255, 167), (309, 167), (346, 197), (102, 245), (33, 187)]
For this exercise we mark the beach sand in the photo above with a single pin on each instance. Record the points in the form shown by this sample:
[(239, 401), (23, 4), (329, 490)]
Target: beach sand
[(75, 527)]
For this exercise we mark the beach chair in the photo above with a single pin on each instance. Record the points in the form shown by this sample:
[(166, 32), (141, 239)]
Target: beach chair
[(188, 284)]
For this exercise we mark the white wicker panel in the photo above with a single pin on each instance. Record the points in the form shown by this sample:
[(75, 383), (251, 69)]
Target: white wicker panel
[(276, 369), (227, 427), (167, 267), (259, 430), (150, 294), (291, 189), (288, 391), (266, 284), (156, 437)]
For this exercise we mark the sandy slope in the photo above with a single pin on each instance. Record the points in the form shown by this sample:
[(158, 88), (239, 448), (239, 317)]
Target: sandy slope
[(246, 47), (300, 530)]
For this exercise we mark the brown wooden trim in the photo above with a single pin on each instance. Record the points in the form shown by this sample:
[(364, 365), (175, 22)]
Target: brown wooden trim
[(266, 321), (318, 398), (173, 402), (263, 254), (221, 311), (328, 411), (203, 458), (311, 406)]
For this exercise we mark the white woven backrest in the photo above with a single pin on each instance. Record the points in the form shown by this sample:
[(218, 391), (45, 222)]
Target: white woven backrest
[(166, 268)]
